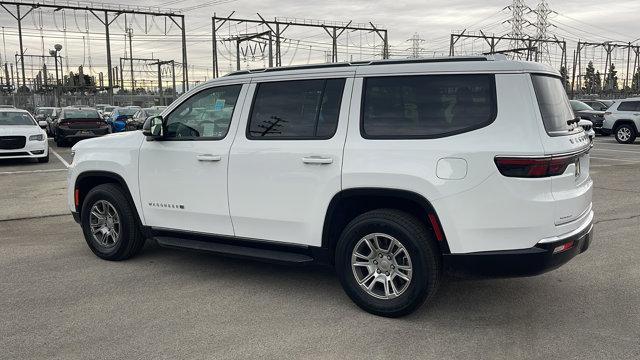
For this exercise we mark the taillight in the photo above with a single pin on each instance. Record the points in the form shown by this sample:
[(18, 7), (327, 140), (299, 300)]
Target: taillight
[(534, 167)]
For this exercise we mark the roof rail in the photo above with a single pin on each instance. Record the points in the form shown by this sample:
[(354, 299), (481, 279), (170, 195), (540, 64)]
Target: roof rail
[(362, 63)]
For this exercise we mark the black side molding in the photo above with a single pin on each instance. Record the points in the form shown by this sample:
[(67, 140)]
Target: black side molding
[(268, 255)]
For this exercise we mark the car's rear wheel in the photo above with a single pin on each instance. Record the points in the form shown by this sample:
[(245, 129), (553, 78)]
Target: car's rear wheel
[(625, 134), (109, 223), (388, 262)]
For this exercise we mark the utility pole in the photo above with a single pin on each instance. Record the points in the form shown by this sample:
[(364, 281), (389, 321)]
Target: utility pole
[(130, 36)]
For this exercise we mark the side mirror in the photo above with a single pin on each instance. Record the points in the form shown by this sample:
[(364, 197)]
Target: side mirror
[(42, 123), (153, 128)]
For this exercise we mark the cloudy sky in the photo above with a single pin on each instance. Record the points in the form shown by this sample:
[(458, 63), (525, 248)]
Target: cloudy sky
[(433, 21)]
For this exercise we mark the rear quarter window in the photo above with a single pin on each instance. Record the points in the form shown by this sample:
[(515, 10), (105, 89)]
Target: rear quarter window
[(629, 106), (426, 106), (554, 105)]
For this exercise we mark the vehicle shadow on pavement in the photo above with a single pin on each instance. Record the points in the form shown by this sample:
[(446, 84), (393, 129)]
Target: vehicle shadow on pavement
[(472, 301)]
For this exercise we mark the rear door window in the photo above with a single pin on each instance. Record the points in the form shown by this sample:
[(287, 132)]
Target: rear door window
[(426, 106), (296, 110), (554, 104), (629, 106)]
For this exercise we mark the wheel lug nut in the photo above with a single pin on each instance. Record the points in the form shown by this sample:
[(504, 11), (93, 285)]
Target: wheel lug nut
[(381, 256), (393, 267), (389, 257), (378, 271), (375, 262), (387, 273)]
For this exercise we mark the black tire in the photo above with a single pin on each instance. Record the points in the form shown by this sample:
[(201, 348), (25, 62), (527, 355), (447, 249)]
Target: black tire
[(130, 240), (419, 243), (44, 159), (630, 130)]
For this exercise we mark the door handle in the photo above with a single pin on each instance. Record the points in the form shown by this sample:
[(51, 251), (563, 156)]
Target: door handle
[(208, 157), (317, 160)]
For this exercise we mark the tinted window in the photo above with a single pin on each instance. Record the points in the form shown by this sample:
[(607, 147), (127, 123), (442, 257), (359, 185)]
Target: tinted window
[(15, 118), (207, 114), (80, 114), (554, 104), (427, 106), (629, 106), (301, 109)]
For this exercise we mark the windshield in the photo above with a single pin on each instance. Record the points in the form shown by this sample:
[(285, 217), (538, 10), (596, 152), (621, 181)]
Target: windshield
[(127, 111), (108, 109), (579, 106), (554, 104), (81, 114), (15, 118), (44, 112)]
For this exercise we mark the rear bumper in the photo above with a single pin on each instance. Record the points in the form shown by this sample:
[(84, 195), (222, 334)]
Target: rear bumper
[(523, 262), (77, 133)]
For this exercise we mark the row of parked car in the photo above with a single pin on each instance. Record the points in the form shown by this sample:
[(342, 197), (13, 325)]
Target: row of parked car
[(620, 118), (24, 135), (80, 122)]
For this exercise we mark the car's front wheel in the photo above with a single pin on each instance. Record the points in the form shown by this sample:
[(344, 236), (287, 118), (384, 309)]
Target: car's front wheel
[(625, 134), (109, 223), (388, 262)]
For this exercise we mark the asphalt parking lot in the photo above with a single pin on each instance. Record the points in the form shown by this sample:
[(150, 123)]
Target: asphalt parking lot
[(60, 301)]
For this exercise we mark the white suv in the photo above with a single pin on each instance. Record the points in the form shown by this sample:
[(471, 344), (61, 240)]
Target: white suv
[(622, 120), (391, 171)]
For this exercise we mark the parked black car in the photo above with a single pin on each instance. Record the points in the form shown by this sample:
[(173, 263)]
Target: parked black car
[(597, 105), (79, 123), (586, 112), (48, 114), (136, 122)]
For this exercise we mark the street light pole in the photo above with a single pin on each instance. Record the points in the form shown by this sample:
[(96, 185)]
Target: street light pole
[(54, 53)]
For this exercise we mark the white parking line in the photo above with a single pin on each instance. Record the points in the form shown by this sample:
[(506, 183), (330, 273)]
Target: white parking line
[(59, 157), (624, 151), (612, 159), (31, 171)]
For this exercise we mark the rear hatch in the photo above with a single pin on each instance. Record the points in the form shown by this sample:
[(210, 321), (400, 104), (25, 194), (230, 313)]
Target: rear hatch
[(564, 140)]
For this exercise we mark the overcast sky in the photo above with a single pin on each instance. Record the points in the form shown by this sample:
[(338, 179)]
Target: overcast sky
[(433, 21)]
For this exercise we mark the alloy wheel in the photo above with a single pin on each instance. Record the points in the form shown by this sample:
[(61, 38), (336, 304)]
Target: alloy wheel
[(381, 266)]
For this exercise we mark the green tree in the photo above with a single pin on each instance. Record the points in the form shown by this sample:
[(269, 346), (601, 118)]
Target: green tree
[(589, 78), (635, 82), (597, 84), (611, 82)]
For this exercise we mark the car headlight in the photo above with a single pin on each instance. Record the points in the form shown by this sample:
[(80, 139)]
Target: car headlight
[(38, 137)]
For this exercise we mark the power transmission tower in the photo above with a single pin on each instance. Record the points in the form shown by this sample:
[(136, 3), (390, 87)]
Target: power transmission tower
[(518, 22), (542, 26), (416, 49)]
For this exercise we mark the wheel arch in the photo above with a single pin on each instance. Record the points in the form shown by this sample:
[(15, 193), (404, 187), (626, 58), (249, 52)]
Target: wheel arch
[(88, 180), (625, 122), (349, 203)]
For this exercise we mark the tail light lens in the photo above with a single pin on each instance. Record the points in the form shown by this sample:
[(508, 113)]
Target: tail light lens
[(534, 167)]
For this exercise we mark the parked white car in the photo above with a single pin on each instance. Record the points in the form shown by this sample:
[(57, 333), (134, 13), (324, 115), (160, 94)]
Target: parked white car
[(392, 171), (21, 136), (622, 120)]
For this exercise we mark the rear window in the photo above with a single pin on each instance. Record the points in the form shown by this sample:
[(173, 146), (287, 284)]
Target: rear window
[(427, 106), (554, 104), (80, 114), (629, 106)]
